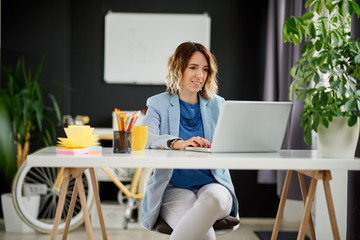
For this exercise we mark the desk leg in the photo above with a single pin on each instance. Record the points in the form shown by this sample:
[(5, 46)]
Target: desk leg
[(307, 211), (304, 196), (82, 196), (330, 205), (70, 211), (280, 211), (61, 203), (98, 205)]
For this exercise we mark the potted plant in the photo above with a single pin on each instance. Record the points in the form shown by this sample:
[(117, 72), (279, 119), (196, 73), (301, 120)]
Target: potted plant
[(24, 118), (326, 75), (24, 99)]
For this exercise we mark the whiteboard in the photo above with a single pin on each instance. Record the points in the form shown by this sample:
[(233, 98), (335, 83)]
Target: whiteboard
[(138, 45)]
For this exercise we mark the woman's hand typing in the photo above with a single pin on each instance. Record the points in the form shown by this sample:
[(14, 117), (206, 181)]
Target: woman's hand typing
[(192, 142)]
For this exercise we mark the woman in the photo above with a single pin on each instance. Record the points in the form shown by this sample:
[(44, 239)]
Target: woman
[(190, 201)]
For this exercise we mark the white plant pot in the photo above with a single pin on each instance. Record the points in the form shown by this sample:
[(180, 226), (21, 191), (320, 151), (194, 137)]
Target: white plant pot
[(13, 222), (338, 140)]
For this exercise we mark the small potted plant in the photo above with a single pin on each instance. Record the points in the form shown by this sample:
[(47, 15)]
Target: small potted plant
[(24, 118), (326, 76)]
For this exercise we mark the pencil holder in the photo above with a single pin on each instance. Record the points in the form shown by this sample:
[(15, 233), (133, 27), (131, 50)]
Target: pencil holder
[(122, 142)]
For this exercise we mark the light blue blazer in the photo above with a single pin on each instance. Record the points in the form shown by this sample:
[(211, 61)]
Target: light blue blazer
[(163, 119)]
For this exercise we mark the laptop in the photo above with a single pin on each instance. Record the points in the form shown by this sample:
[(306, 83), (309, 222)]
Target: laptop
[(249, 126)]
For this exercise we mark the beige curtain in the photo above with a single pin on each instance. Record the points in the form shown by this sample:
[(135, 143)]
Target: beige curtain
[(280, 57)]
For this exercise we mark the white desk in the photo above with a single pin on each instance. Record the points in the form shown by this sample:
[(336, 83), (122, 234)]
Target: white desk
[(283, 160)]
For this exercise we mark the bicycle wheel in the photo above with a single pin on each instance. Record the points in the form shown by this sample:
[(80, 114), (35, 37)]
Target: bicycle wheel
[(144, 179), (133, 204), (40, 181)]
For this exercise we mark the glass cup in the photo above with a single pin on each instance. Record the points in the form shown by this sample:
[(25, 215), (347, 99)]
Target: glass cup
[(122, 142), (139, 138)]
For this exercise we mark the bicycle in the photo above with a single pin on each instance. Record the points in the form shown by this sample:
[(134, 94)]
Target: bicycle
[(137, 189), (46, 182)]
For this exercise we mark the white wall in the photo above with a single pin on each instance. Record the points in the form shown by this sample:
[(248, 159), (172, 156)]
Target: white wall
[(293, 210), (338, 186)]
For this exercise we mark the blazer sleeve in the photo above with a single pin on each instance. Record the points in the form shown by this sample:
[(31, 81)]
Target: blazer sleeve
[(156, 115)]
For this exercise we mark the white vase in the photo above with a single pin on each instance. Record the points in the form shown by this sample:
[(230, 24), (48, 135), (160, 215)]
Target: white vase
[(13, 222), (338, 140)]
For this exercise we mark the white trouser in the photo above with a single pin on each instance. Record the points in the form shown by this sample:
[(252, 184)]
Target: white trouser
[(191, 214)]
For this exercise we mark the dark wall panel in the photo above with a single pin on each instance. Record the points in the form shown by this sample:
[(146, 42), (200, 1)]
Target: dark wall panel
[(70, 34), (236, 40), (36, 29)]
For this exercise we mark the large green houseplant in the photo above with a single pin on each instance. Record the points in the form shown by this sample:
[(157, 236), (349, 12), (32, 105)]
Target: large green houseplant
[(326, 76), (24, 106)]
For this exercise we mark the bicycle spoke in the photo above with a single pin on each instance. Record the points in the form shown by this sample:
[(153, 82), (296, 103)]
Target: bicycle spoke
[(77, 207), (38, 177), (47, 206), (49, 197), (35, 179), (50, 174), (46, 178)]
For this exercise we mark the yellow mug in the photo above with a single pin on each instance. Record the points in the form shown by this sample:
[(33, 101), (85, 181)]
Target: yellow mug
[(139, 138)]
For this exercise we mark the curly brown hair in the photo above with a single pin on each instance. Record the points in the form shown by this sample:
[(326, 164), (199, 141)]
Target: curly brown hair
[(178, 63)]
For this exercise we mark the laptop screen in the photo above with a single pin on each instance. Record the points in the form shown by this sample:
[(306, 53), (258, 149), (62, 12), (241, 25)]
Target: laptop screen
[(251, 126)]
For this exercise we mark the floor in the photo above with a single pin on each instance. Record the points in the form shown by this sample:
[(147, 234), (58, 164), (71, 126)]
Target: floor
[(136, 232)]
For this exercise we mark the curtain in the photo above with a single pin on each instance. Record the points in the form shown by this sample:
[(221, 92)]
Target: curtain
[(353, 207), (280, 57)]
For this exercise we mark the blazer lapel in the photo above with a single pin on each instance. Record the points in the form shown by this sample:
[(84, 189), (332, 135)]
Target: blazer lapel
[(206, 118), (174, 115)]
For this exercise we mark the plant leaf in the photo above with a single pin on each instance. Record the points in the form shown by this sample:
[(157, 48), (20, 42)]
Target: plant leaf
[(342, 89), (312, 30), (291, 90), (309, 77), (349, 8), (329, 59), (308, 2), (350, 105), (291, 26), (38, 108), (301, 81), (319, 8), (39, 70), (314, 6), (316, 122), (323, 31), (307, 16), (342, 8), (357, 59), (307, 134), (286, 37), (334, 84), (325, 122), (325, 69), (318, 45), (316, 78), (352, 120), (293, 72), (56, 107), (323, 99), (335, 112), (355, 7), (335, 39)]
